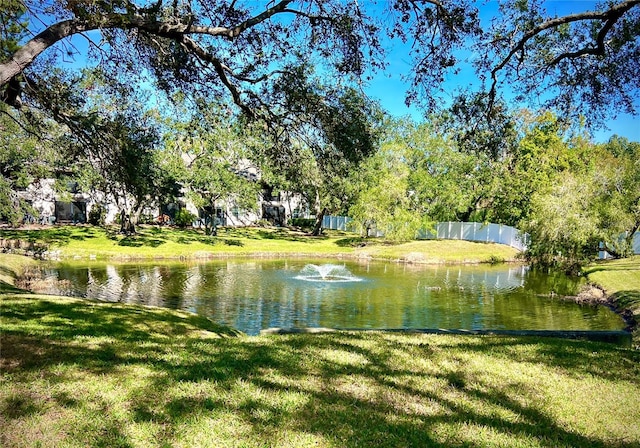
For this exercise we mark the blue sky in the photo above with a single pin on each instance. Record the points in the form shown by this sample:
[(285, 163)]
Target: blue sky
[(390, 89)]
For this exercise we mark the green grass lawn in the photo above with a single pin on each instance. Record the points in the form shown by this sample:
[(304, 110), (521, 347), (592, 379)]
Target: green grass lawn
[(12, 266), (164, 242), (78, 373), (621, 280)]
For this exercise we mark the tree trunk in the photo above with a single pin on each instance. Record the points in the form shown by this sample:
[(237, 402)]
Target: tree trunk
[(210, 227), (317, 229), (135, 219), (629, 238), (367, 228), (474, 207), (128, 221), (124, 221)]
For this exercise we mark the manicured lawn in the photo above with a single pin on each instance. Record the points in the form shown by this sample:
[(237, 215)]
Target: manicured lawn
[(442, 251), (77, 373), (621, 280), (164, 242)]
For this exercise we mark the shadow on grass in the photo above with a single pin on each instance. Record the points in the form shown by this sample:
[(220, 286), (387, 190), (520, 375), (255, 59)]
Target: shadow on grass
[(140, 241), (155, 237), (627, 299), (180, 236), (231, 242), (287, 235), (50, 235), (362, 242), (629, 304), (341, 388), (7, 288), (4, 270), (353, 242)]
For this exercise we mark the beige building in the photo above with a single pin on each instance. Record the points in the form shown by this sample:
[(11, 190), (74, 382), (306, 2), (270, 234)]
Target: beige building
[(51, 206)]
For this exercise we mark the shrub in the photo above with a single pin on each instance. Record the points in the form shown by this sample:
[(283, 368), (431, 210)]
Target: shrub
[(302, 222), (184, 218), (146, 218), (97, 215), (262, 223)]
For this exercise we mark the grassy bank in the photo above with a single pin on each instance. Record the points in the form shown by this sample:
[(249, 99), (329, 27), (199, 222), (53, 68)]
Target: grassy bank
[(77, 373), (620, 279), (164, 242), (11, 266)]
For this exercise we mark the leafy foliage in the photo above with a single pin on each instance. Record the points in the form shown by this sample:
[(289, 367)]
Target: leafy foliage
[(97, 215), (212, 159), (619, 194), (563, 229), (24, 159), (249, 53), (582, 63), (122, 161), (13, 27), (315, 157), (586, 206), (383, 200), (184, 218)]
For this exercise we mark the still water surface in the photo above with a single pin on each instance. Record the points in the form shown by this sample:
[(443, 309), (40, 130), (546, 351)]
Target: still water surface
[(252, 295)]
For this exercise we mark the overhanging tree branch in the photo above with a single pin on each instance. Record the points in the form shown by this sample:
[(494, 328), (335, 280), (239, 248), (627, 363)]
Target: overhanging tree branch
[(220, 69), (22, 58), (597, 48)]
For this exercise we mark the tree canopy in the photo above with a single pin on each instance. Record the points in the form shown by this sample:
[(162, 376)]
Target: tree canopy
[(294, 73), (583, 62)]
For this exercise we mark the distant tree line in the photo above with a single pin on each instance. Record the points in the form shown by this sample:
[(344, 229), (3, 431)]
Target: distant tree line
[(144, 100)]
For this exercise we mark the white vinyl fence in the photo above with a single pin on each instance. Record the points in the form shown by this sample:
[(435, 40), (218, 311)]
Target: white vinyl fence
[(337, 223), (477, 231), (469, 231)]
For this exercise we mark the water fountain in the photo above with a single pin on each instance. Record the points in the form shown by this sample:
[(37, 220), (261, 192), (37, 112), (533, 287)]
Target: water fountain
[(326, 273)]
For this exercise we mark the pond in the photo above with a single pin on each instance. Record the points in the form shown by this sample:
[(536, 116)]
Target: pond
[(252, 295)]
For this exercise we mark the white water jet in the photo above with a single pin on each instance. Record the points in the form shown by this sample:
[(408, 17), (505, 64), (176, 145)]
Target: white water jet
[(326, 273)]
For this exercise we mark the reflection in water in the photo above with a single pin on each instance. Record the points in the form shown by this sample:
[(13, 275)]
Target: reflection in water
[(251, 296)]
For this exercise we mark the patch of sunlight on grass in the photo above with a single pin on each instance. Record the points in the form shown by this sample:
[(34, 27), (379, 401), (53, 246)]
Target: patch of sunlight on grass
[(442, 251), (467, 433), (616, 281), (610, 408), (145, 433), (342, 357)]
